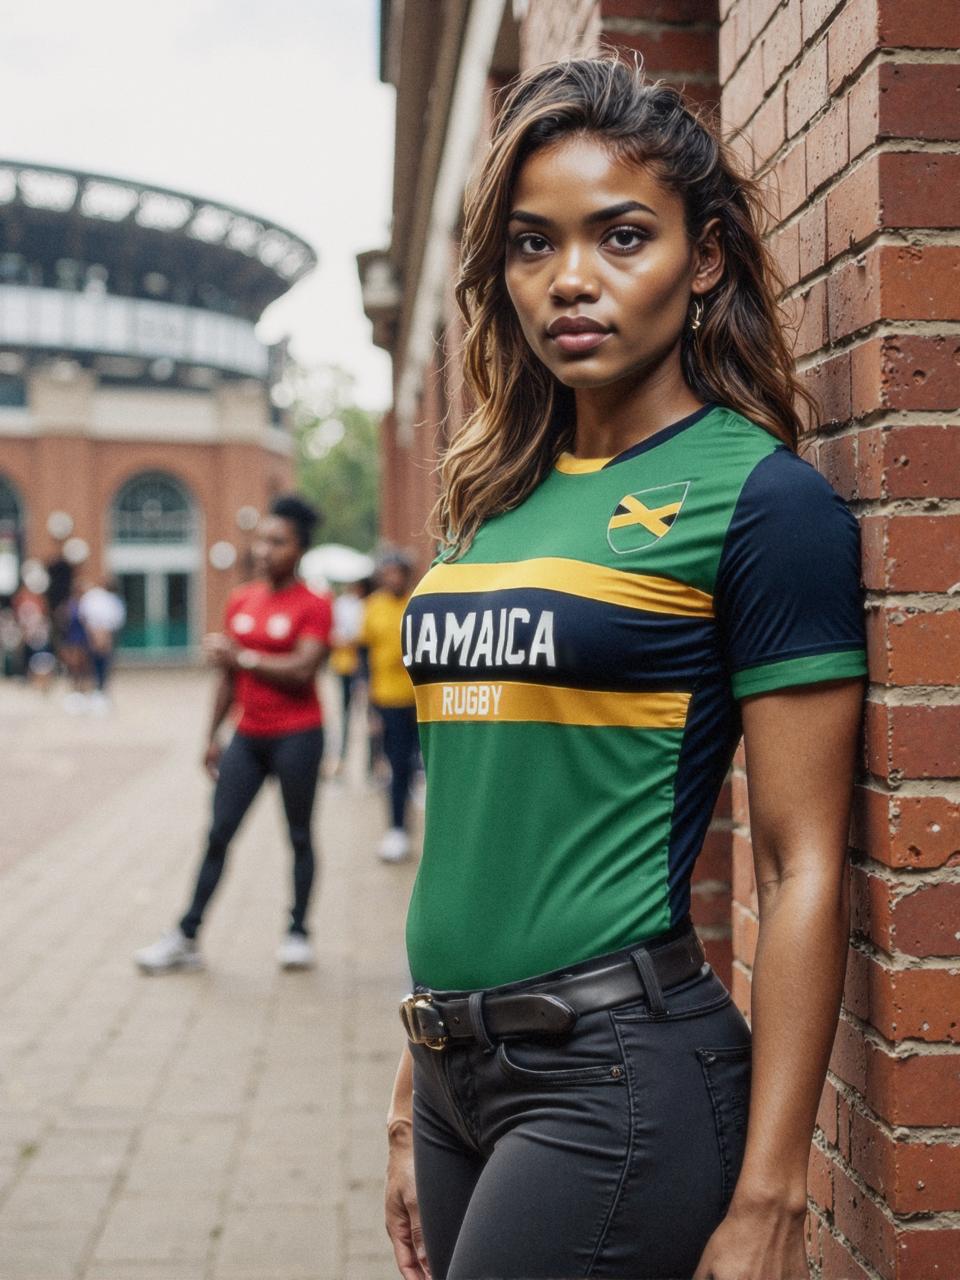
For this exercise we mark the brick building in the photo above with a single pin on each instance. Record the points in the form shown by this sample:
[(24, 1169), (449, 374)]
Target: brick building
[(137, 430), (851, 111)]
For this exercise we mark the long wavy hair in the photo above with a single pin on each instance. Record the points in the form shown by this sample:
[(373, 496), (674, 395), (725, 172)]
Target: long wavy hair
[(522, 416)]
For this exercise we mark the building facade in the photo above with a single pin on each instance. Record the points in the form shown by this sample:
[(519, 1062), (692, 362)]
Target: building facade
[(847, 109), (138, 436)]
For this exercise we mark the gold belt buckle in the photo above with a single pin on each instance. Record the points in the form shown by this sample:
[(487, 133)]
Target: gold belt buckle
[(410, 1009)]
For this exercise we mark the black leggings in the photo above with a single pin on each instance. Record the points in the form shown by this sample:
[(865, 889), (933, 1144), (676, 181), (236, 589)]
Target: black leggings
[(294, 758)]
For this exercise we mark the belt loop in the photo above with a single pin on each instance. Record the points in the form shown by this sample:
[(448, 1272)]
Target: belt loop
[(477, 1024), (651, 983)]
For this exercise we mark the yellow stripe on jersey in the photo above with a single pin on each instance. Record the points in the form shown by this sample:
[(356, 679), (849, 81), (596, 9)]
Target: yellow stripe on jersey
[(505, 701), (571, 465), (650, 517), (574, 578)]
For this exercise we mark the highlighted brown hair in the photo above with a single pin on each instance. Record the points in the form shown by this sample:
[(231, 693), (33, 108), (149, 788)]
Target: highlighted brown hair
[(523, 417)]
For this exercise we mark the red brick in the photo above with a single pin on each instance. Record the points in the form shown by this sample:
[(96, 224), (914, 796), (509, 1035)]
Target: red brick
[(820, 1179), (813, 247), (860, 1218), (709, 906), (852, 209), (760, 12), (784, 244), (852, 37), (918, 100), (848, 1061), (922, 648), (906, 831), (827, 146), (889, 282), (923, 552), (926, 922), (919, 189), (768, 129), (924, 461), (863, 112), (812, 331), (671, 48), (814, 14), (920, 1089), (913, 1177), (909, 371), (918, 26), (902, 1004), (790, 180), (925, 740), (838, 462), (807, 88), (933, 1254), (661, 10), (876, 739), (829, 380), (837, 1260), (723, 808), (843, 1126), (780, 44), (743, 91)]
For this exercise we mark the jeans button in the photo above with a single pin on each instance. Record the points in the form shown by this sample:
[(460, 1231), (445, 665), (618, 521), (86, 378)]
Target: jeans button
[(616, 1072)]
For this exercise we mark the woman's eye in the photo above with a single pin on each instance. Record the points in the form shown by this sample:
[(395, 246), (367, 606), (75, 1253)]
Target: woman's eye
[(627, 237), (531, 243)]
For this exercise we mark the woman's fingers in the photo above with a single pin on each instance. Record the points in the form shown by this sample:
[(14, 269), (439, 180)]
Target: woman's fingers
[(407, 1241)]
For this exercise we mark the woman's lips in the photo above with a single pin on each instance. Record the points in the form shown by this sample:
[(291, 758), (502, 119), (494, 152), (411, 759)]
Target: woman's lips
[(577, 343)]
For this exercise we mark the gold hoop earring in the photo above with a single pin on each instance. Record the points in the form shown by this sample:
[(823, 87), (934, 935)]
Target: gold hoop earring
[(697, 315)]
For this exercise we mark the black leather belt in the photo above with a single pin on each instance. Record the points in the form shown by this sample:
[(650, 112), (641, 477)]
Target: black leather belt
[(552, 1007)]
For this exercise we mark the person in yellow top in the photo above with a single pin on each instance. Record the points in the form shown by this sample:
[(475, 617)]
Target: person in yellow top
[(391, 695)]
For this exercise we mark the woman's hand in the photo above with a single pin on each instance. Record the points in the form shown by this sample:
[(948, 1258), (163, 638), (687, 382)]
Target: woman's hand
[(219, 650), (402, 1212), (754, 1241), (211, 759)]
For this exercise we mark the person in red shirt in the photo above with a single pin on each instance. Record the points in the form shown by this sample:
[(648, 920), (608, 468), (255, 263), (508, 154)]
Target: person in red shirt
[(275, 638)]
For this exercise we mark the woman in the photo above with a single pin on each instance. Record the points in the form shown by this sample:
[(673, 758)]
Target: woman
[(275, 638), (637, 567)]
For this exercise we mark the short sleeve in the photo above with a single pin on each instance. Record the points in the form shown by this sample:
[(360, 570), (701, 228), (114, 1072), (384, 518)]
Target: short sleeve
[(317, 619), (788, 596)]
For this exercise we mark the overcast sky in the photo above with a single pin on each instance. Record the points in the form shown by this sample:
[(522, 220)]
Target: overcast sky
[(275, 107)]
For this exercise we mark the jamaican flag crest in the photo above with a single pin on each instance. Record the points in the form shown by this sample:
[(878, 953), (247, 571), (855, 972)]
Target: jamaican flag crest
[(643, 518)]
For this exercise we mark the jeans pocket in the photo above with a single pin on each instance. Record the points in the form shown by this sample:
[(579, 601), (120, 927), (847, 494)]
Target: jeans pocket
[(727, 1071), (591, 1054)]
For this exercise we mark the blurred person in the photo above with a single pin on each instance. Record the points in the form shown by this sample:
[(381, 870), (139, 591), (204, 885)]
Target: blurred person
[(345, 657), (104, 614), (33, 620), (74, 650), (275, 639), (391, 695), (11, 640)]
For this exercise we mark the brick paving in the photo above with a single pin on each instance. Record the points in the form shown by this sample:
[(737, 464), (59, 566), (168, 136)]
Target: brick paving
[(226, 1125)]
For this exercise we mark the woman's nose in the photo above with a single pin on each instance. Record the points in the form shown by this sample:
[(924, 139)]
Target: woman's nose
[(573, 278)]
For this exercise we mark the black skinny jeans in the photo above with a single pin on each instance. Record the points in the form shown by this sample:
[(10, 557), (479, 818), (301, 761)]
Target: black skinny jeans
[(611, 1153), (400, 742), (294, 758)]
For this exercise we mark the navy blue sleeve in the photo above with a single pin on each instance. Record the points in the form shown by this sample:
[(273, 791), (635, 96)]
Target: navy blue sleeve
[(788, 595)]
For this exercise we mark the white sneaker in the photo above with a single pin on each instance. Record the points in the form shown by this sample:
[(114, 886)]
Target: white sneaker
[(173, 951), (295, 952), (395, 846)]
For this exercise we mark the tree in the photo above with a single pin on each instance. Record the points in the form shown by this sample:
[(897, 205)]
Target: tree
[(338, 458)]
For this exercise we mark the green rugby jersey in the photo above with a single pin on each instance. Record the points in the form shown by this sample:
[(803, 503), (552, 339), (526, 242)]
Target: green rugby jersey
[(578, 675)]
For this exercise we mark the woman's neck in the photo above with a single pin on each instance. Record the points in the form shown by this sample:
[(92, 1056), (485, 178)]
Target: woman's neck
[(612, 419)]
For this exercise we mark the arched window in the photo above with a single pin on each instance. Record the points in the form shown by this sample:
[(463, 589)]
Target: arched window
[(153, 507)]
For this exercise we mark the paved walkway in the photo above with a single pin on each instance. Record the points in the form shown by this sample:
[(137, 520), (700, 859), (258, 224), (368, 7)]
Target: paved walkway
[(217, 1126)]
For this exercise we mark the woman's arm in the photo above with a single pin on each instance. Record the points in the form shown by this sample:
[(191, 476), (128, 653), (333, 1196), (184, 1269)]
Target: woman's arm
[(402, 1214), (289, 670), (801, 748)]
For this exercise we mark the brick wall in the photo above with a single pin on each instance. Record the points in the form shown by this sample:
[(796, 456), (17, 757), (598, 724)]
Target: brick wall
[(852, 108)]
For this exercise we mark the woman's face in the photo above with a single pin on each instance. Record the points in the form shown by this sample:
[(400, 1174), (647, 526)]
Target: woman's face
[(598, 265), (276, 548)]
